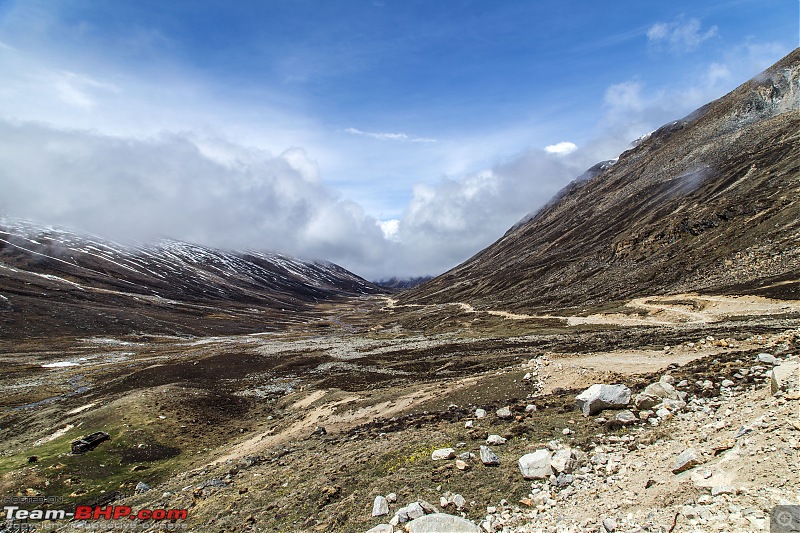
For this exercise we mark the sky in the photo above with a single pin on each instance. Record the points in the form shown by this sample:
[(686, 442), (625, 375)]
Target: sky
[(393, 137)]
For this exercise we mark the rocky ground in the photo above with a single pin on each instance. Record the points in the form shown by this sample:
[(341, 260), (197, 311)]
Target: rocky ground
[(316, 428)]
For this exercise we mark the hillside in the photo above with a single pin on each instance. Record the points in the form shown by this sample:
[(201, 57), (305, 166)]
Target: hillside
[(707, 203), (57, 282)]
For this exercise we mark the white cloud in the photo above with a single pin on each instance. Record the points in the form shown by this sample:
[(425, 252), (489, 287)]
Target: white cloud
[(390, 228), (680, 35), (389, 136), (562, 148)]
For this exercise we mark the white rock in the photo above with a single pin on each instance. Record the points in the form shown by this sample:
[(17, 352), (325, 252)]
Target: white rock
[(785, 377), (480, 413), (599, 397), (391, 497), (609, 524), (530, 408), (536, 465), (443, 454), (468, 424), (727, 383), (380, 506), (441, 522), (495, 440), (561, 461), (766, 358), (504, 413)]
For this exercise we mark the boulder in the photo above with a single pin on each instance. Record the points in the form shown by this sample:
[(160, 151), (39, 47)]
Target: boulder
[(380, 507), (536, 465), (785, 378), (440, 522), (488, 457), (443, 454), (599, 397)]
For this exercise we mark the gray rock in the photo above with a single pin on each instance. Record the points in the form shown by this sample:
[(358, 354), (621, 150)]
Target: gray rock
[(391, 497), (786, 378), (427, 507), (626, 417), (488, 457), (530, 408), (609, 524), (380, 506), (495, 440), (480, 413), (599, 397), (141, 488), (439, 523), (689, 458), (766, 358), (381, 528), (536, 465), (466, 456), (727, 383), (443, 454), (504, 413), (682, 384)]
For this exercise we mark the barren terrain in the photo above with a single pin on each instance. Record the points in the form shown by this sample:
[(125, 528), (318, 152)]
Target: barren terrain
[(389, 383)]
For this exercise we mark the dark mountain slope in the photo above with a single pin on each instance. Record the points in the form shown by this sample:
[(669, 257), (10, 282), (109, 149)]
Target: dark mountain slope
[(53, 281), (708, 203)]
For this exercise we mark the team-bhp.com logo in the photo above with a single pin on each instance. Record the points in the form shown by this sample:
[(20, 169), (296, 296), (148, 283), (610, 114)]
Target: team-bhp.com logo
[(88, 512)]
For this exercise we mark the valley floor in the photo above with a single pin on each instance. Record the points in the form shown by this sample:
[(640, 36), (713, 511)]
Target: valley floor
[(301, 430)]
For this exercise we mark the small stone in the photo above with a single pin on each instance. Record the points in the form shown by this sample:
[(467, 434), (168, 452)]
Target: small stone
[(504, 413), (488, 457), (495, 440), (466, 456), (626, 417), (462, 465), (727, 383), (443, 454), (480, 413), (689, 458), (391, 497), (468, 424), (609, 524), (682, 384), (380, 506), (141, 488), (766, 358), (530, 408)]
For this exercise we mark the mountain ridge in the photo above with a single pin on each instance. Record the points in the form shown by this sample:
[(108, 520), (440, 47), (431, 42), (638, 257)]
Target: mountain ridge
[(58, 281), (693, 207)]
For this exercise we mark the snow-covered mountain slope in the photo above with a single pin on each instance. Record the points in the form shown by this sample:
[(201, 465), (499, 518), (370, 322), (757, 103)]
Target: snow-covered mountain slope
[(56, 280)]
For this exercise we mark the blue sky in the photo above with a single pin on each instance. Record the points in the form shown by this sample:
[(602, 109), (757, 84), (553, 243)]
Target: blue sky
[(392, 137)]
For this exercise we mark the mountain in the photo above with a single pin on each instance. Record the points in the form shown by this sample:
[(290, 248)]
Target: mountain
[(54, 281), (707, 203), (402, 283)]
